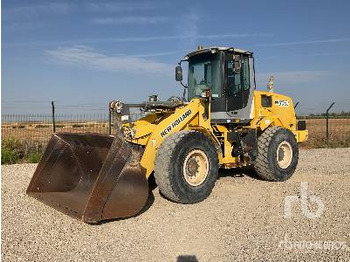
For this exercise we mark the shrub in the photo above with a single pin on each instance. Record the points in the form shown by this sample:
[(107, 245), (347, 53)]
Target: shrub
[(9, 156), (34, 157), (17, 151), (10, 143), (42, 126), (77, 125)]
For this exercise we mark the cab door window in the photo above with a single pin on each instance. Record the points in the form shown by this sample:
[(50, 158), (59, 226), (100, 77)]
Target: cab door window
[(246, 73), (238, 81), (237, 84)]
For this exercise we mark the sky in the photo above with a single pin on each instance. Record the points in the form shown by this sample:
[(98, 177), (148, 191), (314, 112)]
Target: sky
[(82, 54)]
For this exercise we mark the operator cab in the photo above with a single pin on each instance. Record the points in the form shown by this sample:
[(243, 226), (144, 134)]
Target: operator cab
[(229, 74)]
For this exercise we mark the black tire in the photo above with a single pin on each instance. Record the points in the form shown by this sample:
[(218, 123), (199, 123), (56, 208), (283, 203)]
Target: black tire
[(170, 158), (269, 157)]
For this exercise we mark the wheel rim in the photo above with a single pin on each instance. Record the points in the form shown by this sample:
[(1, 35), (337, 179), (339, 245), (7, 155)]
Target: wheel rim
[(196, 167), (284, 155)]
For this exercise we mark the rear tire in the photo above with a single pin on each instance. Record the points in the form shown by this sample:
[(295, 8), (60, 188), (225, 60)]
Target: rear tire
[(278, 154), (186, 167)]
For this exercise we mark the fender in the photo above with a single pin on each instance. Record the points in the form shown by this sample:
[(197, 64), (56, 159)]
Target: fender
[(186, 118)]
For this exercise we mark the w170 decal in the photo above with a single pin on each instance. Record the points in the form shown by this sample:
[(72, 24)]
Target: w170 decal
[(282, 103)]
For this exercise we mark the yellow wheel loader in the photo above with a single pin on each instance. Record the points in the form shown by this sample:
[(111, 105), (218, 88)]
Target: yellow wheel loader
[(222, 122)]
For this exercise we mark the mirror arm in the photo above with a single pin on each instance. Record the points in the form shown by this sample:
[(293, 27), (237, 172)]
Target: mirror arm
[(183, 85), (182, 60)]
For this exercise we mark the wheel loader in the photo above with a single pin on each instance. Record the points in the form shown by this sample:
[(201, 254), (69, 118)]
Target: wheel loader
[(221, 121)]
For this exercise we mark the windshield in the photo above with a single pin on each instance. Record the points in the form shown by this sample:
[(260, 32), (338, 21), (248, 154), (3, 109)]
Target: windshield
[(204, 73)]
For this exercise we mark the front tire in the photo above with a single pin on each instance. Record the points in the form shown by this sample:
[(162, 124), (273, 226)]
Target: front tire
[(186, 167), (278, 154)]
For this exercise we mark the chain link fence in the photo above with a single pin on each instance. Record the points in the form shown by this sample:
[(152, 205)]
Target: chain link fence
[(335, 134), (24, 137), (40, 127)]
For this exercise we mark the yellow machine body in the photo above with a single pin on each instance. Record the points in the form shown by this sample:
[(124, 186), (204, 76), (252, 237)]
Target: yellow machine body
[(152, 130)]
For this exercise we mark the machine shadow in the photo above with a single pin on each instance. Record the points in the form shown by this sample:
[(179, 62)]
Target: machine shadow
[(239, 172), (234, 172)]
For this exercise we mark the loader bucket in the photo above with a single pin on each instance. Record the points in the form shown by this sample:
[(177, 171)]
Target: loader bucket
[(91, 177)]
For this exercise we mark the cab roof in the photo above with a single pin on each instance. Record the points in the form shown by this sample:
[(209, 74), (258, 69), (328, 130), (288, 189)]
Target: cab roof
[(202, 50)]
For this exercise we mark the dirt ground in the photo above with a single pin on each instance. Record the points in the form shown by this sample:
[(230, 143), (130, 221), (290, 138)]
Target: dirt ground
[(244, 219)]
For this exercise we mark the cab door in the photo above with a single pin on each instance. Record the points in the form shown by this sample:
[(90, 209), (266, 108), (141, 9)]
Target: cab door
[(237, 84)]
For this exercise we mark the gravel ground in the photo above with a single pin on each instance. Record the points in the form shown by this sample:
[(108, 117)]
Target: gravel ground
[(242, 220)]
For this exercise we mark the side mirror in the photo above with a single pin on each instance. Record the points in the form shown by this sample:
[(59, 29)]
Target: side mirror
[(178, 73), (237, 63)]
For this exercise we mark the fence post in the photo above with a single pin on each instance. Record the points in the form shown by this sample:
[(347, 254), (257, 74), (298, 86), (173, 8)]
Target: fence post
[(327, 117), (53, 117), (109, 121)]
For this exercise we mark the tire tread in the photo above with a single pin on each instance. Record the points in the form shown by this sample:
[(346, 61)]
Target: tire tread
[(262, 160), (162, 164)]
